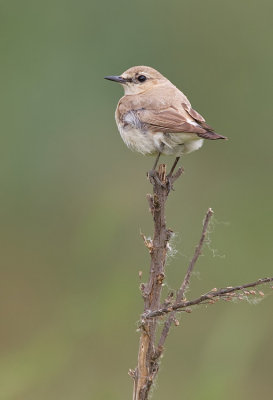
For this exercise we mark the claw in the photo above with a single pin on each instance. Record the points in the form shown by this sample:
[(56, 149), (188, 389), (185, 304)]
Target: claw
[(169, 183), (153, 177)]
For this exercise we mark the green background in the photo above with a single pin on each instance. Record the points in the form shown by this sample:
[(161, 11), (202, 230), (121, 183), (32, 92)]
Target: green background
[(73, 197)]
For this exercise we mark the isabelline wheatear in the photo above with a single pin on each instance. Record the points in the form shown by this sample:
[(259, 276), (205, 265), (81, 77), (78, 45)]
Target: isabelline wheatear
[(154, 117)]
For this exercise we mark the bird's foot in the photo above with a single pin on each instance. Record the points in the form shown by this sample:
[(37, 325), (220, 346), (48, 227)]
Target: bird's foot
[(164, 181), (169, 183), (154, 178), (171, 178)]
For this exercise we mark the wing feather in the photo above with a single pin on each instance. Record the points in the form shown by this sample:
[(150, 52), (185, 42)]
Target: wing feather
[(167, 121), (171, 120)]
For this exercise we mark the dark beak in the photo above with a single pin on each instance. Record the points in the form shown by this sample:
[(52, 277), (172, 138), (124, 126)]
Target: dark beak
[(114, 78)]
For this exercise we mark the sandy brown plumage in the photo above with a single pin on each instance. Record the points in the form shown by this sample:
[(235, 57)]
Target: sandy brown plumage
[(154, 116)]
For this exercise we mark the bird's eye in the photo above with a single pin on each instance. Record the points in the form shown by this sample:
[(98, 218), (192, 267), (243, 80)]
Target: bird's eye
[(141, 78)]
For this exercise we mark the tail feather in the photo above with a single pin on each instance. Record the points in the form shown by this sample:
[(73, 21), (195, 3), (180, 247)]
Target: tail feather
[(209, 132), (211, 135)]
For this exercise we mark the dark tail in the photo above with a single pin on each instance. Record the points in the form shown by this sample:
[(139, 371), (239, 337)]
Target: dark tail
[(211, 136)]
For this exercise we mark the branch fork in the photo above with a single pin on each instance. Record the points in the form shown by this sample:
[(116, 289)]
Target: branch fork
[(161, 178)]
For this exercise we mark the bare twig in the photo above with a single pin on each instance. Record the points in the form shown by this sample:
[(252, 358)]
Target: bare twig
[(178, 173), (185, 283), (213, 294), (197, 253)]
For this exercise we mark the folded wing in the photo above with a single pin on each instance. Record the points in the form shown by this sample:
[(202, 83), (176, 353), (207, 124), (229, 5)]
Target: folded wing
[(171, 120)]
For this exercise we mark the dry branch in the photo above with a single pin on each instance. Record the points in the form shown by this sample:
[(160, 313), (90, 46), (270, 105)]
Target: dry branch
[(147, 367), (149, 351), (213, 294)]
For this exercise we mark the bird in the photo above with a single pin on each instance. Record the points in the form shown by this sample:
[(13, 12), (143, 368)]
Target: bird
[(154, 117)]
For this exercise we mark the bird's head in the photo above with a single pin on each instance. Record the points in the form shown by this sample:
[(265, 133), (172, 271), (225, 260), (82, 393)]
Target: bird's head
[(137, 80)]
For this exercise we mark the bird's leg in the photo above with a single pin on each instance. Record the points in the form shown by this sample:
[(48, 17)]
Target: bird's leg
[(170, 174), (173, 167), (156, 161), (153, 174)]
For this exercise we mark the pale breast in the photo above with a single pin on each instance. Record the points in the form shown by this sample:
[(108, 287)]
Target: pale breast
[(151, 143), (135, 139), (137, 136)]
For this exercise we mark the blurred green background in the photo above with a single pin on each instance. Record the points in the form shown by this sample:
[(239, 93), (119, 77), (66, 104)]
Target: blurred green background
[(73, 197)]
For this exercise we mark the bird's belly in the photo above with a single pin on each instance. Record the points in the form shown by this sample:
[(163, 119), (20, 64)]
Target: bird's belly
[(137, 140), (146, 142), (180, 143)]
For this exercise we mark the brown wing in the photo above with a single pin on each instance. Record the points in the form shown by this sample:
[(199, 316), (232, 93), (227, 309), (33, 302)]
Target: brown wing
[(171, 120), (197, 117), (209, 131), (167, 121)]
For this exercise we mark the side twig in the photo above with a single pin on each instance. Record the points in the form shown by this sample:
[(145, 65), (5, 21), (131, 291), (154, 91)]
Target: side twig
[(224, 293)]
